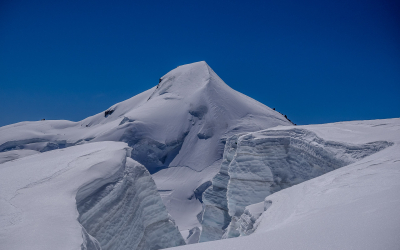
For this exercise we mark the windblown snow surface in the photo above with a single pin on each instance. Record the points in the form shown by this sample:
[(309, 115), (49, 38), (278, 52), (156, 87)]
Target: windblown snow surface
[(351, 207), (176, 129), (91, 196)]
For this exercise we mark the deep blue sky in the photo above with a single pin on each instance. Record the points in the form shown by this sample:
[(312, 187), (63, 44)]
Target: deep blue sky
[(316, 61)]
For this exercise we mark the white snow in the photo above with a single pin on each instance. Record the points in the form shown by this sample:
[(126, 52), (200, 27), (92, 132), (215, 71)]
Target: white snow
[(16, 154), (260, 163), (181, 123), (353, 207), (70, 185), (41, 194)]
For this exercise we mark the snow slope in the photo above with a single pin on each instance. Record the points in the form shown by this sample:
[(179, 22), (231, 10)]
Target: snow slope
[(15, 154), (352, 207), (82, 197), (182, 123)]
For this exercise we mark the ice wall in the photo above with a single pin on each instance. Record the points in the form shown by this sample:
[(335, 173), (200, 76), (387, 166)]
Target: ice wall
[(215, 217), (91, 197), (248, 221), (258, 164), (129, 213)]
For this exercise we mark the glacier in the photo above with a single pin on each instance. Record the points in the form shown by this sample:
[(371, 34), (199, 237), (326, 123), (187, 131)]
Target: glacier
[(177, 130), (351, 207), (260, 163), (192, 160), (91, 196)]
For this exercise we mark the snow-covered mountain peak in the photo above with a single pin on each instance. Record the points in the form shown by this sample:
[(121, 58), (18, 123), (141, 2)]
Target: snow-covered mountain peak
[(209, 154), (187, 79), (184, 84), (189, 74), (184, 95), (178, 129)]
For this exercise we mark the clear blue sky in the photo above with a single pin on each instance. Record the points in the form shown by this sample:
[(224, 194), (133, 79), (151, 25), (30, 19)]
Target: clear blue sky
[(315, 61)]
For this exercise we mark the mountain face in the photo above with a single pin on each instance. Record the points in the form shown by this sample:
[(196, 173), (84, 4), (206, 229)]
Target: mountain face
[(191, 106), (176, 129)]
